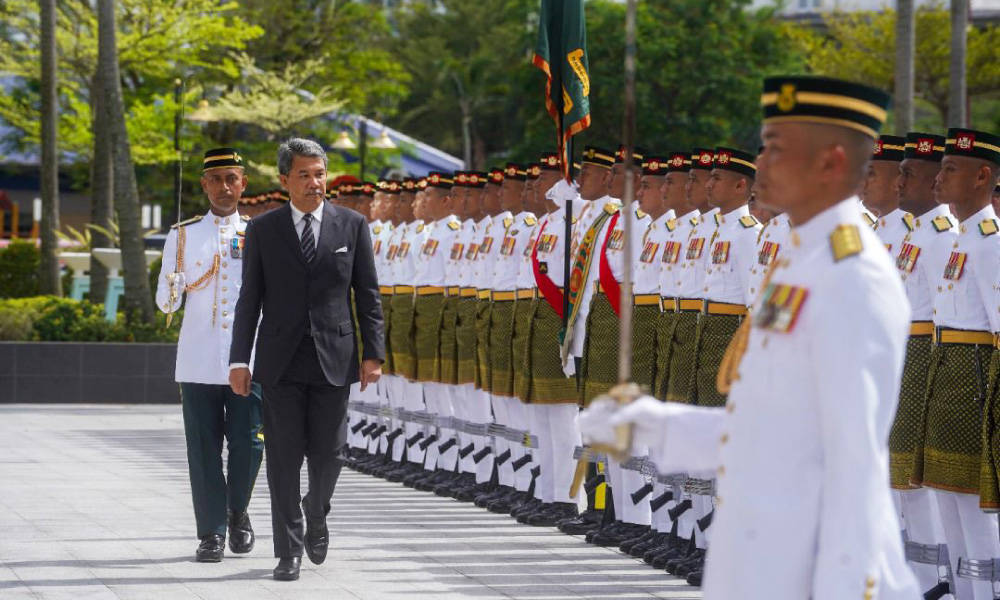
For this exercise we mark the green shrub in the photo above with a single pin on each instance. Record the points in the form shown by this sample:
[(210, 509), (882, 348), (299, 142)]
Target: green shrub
[(51, 319), (18, 316), (66, 320), (19, 263)]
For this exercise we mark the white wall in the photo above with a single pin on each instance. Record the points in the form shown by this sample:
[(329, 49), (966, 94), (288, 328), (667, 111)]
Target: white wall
[(812, 6)]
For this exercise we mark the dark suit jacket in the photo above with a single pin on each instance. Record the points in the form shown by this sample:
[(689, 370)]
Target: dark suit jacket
[(295, 297)]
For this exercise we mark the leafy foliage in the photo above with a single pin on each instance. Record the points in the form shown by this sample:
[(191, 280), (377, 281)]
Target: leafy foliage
[(50, 319), (19, 269)]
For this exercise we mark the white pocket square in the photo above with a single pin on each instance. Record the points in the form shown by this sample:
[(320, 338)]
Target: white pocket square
[(341, 249)]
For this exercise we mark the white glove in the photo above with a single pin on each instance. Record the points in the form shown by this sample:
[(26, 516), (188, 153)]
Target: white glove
[(648, 417), (562, 192), (176, 281), (569, 366), (595, 421)]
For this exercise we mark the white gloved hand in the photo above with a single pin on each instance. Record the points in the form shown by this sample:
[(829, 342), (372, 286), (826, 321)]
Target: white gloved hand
[(648, 416), (569, 367), (176, 281), (595, 421), (562, 192)]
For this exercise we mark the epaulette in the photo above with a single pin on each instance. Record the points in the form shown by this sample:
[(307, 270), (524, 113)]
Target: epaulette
[(988, 227), (869, 219), (639, 214), (748, 221), (454, 225), (671, 224), (188, 222), (420, 228), (530, 220), (845, 241), (941, 223), (908, 221), (611, 208), (695, 221), (378, 229), (245, 217), (508, 222), (718, 218)]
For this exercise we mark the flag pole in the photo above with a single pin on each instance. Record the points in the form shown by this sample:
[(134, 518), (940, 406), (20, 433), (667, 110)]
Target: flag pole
[(625, 329)]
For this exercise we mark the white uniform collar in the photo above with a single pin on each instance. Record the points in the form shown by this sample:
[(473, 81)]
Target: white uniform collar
[(298, 214), (221, 221), (971, 223), (940, 210), (737, 214), (816, 231)]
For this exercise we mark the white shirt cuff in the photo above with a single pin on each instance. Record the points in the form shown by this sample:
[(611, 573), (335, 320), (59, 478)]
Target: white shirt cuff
[(238, 366)]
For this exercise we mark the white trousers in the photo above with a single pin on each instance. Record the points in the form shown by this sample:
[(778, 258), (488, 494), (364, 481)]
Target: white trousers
[(969, 533)]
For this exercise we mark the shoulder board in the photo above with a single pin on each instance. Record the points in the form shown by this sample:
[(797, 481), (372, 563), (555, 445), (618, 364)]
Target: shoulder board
[(868, 219), (378, 229), (695, 221), (639, 214), (908, 221), (508, 222), (245, 217), (941, 223), (718, 219), (575, 219), (671, 224), (530, 221), (988, 227), (749, 221), (188, 222), (611, 208), (845, 241), (420, 228), (454, 225)]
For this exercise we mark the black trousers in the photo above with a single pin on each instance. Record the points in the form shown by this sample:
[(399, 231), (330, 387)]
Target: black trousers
[(213, 413), (305, 418)]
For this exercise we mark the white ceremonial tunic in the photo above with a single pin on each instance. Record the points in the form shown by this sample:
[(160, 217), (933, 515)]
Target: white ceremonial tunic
[(915, 262), (432, 255), (727, 275), (892, 228), (487, 250), (696, 254), (966, 276), (616, 246), (804, 508), (672, 255), (510, 253), (771, 240), (647, 262), (203, 346), (526, 270), (579, 325)]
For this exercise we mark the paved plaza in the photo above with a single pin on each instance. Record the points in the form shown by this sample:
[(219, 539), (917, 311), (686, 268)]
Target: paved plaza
[(94, 503)]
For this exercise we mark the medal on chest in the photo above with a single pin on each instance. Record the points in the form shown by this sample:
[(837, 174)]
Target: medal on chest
[(547, 243), (779, 308), (378, 247), (767, 253), (956, 264), (487, 244), (236, 245), (649, 252), (430, 247), (391, 252), (472, 252), (617, 240), (907, 258), (720, 253), (404, 249), (507, 246), (694, 248), (456, 251), (671, 252)]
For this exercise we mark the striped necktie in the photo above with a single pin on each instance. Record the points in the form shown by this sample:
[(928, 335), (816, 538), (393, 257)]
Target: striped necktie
[(308, 240)]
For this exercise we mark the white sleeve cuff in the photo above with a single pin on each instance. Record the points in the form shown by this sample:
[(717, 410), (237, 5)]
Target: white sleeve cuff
[(238, 366)]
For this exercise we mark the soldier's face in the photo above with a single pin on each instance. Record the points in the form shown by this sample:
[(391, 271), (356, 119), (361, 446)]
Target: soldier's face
[(593, 181), (510, 195), (648, 195), (787, 165), (961, 180), (491, 199), (404, 211), (914, 183), (695, 189), (306, 182), (674, 192), (224, 188)]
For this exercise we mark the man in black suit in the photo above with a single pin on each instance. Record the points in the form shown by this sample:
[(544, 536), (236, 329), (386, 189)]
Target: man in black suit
[(301, 263)]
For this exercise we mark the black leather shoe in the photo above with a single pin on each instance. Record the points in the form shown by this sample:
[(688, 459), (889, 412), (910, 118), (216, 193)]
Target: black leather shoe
[(288, 568), (503, 505), (468, 494), (317, 540), (483, 500), (555, 513), (694, 579), (210, 549), (241, 537), (628, 544), (530, 510)]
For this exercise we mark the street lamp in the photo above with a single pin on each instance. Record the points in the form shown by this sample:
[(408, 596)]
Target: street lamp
[(344, 142)]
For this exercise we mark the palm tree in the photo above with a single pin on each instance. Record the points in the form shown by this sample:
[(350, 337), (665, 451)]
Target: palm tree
[(48, 280), (138, 300), (957, 89), (102, 200), (905, 52)]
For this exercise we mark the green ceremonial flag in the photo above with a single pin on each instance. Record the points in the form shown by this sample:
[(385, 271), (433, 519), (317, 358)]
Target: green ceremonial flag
[(561, 52)]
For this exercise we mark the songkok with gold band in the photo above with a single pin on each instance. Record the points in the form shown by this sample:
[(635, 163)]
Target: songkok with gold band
[(477, 179), (636, 154), (974, 144), (409, 184), (516, 172), (924, 146), (534, 170), (393, 187), (655, 166), (365, 188), (436, 179), (592, 155), (345, 189), (737, 161), (550, 162), (222, 158), (422, 184), (889, 148), (702, 158), (680, 162), (824, 101), (461, 179), (495, 177)]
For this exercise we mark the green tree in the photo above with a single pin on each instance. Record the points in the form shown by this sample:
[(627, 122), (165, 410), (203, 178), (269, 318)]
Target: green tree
[(49, 264), (860, 46)]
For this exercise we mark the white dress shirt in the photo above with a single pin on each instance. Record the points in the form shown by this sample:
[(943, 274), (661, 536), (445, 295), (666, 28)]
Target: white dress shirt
[(299, 222)]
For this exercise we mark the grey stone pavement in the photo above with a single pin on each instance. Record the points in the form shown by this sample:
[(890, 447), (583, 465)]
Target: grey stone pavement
[(94, 503)]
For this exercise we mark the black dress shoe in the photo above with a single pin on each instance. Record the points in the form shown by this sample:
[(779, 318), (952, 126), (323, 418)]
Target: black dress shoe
[(210, 549), (483, 500), (530, 510), (241, 537), (470, 493), (317, 539), (529, 505), (628, 544), (555, 513), (503, 505), (694, 579), (288, 568)]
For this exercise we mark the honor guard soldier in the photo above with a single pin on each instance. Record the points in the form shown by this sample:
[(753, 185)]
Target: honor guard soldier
[(772, 237), (803, 503), (918, 160), (949, 459), (879, 192), (202, 262)]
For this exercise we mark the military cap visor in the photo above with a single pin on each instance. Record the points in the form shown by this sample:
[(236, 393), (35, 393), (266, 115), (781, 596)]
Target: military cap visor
[(924, 146), (889, 148), (824, 101), (972, 144), (222, 158)]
